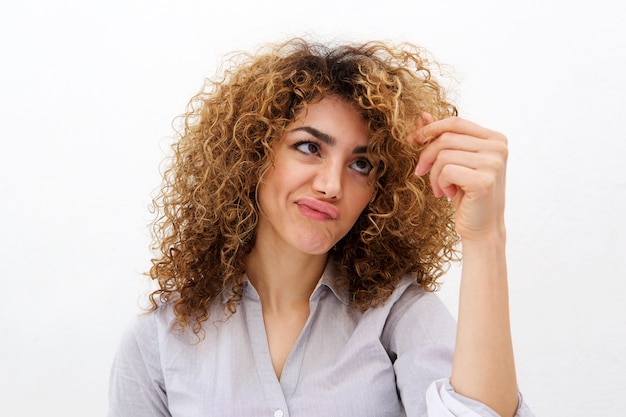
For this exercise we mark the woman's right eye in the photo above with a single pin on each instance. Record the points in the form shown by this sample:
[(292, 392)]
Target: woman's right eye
[(309, 148)]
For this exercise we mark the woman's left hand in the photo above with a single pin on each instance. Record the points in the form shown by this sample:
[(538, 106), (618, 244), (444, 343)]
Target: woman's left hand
[(467, 163)]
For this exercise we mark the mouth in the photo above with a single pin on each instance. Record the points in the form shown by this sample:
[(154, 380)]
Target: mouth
[(317, 210)]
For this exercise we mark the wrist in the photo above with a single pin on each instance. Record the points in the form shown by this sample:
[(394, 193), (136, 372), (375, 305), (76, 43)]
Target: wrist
[(495, 236)]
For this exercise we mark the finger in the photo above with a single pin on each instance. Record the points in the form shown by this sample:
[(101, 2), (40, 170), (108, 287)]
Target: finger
[(454, 178), (453, 157), (478, 182), (422, 121), (448, 141), (435, 129)]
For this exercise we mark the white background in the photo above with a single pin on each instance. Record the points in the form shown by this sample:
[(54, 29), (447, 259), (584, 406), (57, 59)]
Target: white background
[(88, 91)]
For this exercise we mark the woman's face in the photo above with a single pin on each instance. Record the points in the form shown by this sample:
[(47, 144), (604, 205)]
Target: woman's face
[(318, 185)]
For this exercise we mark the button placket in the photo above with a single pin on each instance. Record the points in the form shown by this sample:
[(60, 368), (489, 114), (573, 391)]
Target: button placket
[(260, 351)]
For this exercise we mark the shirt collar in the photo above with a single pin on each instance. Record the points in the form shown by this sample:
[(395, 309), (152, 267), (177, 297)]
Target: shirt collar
[(329, 279)]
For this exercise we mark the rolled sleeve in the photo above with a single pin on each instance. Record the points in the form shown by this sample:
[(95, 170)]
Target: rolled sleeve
[(443, 401)]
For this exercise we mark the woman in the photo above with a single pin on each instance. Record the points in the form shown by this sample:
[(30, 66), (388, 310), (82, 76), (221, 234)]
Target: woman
[(314, 198)]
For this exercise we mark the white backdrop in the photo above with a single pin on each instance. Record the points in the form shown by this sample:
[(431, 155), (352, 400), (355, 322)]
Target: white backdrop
[(87, 94)]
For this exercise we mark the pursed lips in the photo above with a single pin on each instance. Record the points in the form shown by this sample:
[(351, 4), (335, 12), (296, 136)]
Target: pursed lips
[(327, 210)]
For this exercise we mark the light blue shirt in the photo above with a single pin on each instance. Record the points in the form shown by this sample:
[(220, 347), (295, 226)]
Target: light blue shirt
[(392, 360)]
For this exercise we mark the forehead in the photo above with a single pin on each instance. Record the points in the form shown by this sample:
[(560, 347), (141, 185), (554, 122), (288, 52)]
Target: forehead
[(333, 113)]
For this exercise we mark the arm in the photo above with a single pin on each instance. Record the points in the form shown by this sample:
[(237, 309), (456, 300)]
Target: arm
[(483, 366), (467, 164)]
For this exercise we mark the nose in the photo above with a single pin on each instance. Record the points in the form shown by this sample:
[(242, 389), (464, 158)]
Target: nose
[(328, 180)]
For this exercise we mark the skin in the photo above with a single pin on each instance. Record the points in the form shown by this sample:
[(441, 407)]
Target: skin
[(466, 162), (309, 200)]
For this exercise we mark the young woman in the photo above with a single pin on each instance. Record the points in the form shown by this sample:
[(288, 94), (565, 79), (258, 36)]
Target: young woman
[(314, 197)]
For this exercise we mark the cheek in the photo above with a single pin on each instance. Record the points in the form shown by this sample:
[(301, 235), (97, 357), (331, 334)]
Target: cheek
[(277, 181), (360, 200), (265, 189), (366, 194)]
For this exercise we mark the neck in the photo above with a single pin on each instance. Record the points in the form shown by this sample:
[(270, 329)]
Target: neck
[(283, 281)]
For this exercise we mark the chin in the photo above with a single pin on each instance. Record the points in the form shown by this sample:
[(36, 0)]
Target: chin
[(314, 246), (316, 250)]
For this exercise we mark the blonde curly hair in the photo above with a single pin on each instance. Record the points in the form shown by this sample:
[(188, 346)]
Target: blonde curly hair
[(207, 206)]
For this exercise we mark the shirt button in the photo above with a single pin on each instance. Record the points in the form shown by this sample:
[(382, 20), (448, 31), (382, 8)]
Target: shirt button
[(279, 413)]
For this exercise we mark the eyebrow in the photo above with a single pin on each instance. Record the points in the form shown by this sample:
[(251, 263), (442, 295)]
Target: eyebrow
[(327, 139)]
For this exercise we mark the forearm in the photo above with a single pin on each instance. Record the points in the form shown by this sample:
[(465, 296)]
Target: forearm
[(483, 367)]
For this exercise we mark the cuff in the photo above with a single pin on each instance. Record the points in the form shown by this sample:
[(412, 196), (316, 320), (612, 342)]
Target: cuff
[(443, 401)]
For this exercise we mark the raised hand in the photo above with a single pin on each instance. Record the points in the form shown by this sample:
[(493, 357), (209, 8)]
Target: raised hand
[(467, 163)]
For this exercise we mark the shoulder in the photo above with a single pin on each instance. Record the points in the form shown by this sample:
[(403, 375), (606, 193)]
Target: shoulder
[(410, 296), (138, 336), (418, 314), (142, 332)]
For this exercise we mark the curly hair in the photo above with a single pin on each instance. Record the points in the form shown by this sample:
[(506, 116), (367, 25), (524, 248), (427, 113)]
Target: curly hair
[(207, 209)]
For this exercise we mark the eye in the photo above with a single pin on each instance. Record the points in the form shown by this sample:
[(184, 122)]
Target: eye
[(363, 166), (309, 148)]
